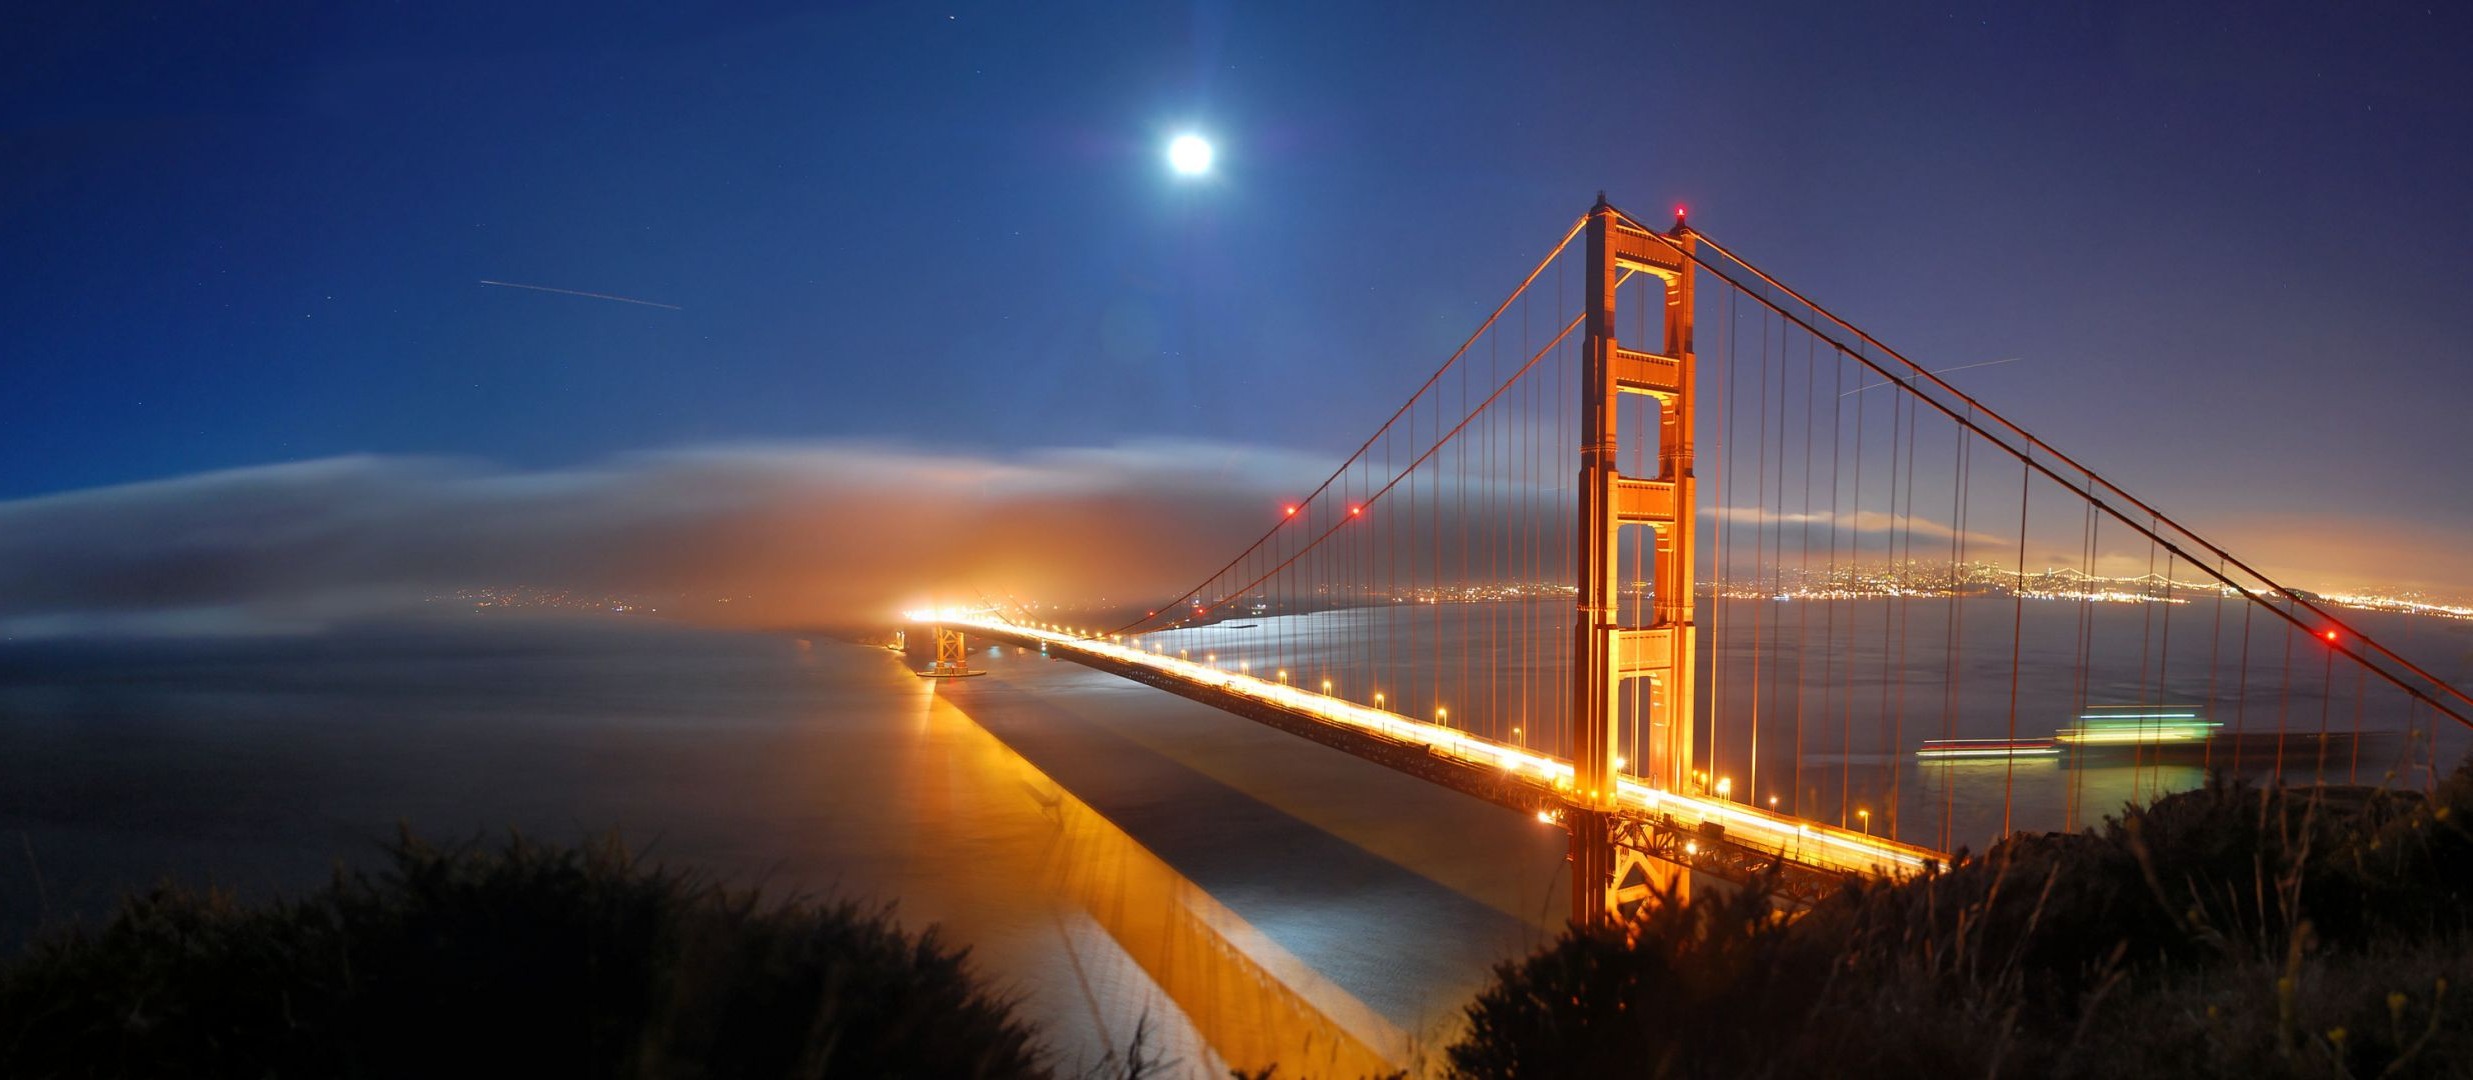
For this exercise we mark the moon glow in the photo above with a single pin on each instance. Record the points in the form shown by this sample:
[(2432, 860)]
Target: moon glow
[(1189, 155)]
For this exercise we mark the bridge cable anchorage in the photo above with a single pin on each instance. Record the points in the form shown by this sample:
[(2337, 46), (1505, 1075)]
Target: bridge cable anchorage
[(1505, 590)]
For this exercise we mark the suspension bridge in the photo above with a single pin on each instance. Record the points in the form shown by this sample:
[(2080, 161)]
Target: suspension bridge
[(1787, 605)]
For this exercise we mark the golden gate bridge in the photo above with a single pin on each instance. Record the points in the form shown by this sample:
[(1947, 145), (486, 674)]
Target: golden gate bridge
[(1722, 615)]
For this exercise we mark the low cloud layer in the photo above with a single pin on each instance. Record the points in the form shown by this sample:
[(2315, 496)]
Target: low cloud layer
[(798, 534), (802, 534)]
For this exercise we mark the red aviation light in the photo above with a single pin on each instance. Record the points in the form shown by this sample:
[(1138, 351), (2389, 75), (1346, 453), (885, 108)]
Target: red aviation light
[(1288, 511), (2331, 636), (1355, 510)]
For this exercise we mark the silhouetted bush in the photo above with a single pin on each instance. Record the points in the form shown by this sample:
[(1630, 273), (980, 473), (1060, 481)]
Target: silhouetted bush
[(2231, 931), (514, 960), (1577, 1008)]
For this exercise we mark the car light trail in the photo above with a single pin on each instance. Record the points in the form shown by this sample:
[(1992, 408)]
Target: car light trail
[(1807, 842)]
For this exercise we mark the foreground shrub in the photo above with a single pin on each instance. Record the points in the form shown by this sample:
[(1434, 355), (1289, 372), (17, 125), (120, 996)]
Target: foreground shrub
[(1583, 1006), (515, 960), (2232, 931)]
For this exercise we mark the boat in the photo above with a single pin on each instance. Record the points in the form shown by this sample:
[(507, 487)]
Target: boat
[(1987, 748)]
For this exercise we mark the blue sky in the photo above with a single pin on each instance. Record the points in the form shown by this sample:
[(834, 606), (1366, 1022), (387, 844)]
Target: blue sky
[(2228, 246)]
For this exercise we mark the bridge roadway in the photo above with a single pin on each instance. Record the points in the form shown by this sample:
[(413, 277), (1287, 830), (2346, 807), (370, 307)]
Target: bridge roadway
[(1719, 837)]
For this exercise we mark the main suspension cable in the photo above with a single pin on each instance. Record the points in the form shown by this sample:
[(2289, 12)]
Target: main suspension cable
[(1976, 408), (1336, 474)]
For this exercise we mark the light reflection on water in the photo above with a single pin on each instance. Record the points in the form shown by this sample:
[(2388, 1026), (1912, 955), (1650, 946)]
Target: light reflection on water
[(1262, 899), (1113, 851), (1133, 939)]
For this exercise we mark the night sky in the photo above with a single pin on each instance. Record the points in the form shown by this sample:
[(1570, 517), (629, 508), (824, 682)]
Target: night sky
[(2231, 249)]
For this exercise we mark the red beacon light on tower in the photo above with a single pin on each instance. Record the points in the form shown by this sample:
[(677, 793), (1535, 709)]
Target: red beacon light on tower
[(1288, 511), (2330, 636)]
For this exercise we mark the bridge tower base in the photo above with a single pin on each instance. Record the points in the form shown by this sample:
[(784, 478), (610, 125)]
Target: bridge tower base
[(952, 657)]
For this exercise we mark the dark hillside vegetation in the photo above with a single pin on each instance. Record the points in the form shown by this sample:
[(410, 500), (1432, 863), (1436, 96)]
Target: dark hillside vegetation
[(515, 960), (2232, 931)]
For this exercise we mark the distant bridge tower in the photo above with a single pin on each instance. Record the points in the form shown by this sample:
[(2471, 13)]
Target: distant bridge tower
[(1610, 876), (952, 656)]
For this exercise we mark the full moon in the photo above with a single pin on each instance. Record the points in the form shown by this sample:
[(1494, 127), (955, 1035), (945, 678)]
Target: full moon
[(1190, 155)]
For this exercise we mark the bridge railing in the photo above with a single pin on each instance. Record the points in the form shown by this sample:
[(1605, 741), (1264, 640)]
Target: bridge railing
[(1736, 835)]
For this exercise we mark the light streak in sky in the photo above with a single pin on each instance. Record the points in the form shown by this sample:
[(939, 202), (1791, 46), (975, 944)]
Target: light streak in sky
[(578, 292), (1935, 371)]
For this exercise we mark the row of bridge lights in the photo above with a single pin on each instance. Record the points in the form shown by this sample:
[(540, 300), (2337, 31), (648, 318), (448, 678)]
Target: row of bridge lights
[(1442, 714), (1725, 792), (2329, 635)]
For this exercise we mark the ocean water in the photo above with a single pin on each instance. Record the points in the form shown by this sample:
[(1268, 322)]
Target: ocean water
[(1117, 855)]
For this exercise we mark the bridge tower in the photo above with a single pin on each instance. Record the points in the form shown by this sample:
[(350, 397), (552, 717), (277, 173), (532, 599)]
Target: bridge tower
[(952, 656), (1610, 876)]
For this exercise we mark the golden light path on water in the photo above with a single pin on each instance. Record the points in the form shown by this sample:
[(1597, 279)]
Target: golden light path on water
[(1087, 836), (1226, 994)]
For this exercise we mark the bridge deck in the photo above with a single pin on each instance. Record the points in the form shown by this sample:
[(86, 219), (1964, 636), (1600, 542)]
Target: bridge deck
[(1719, 836)]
